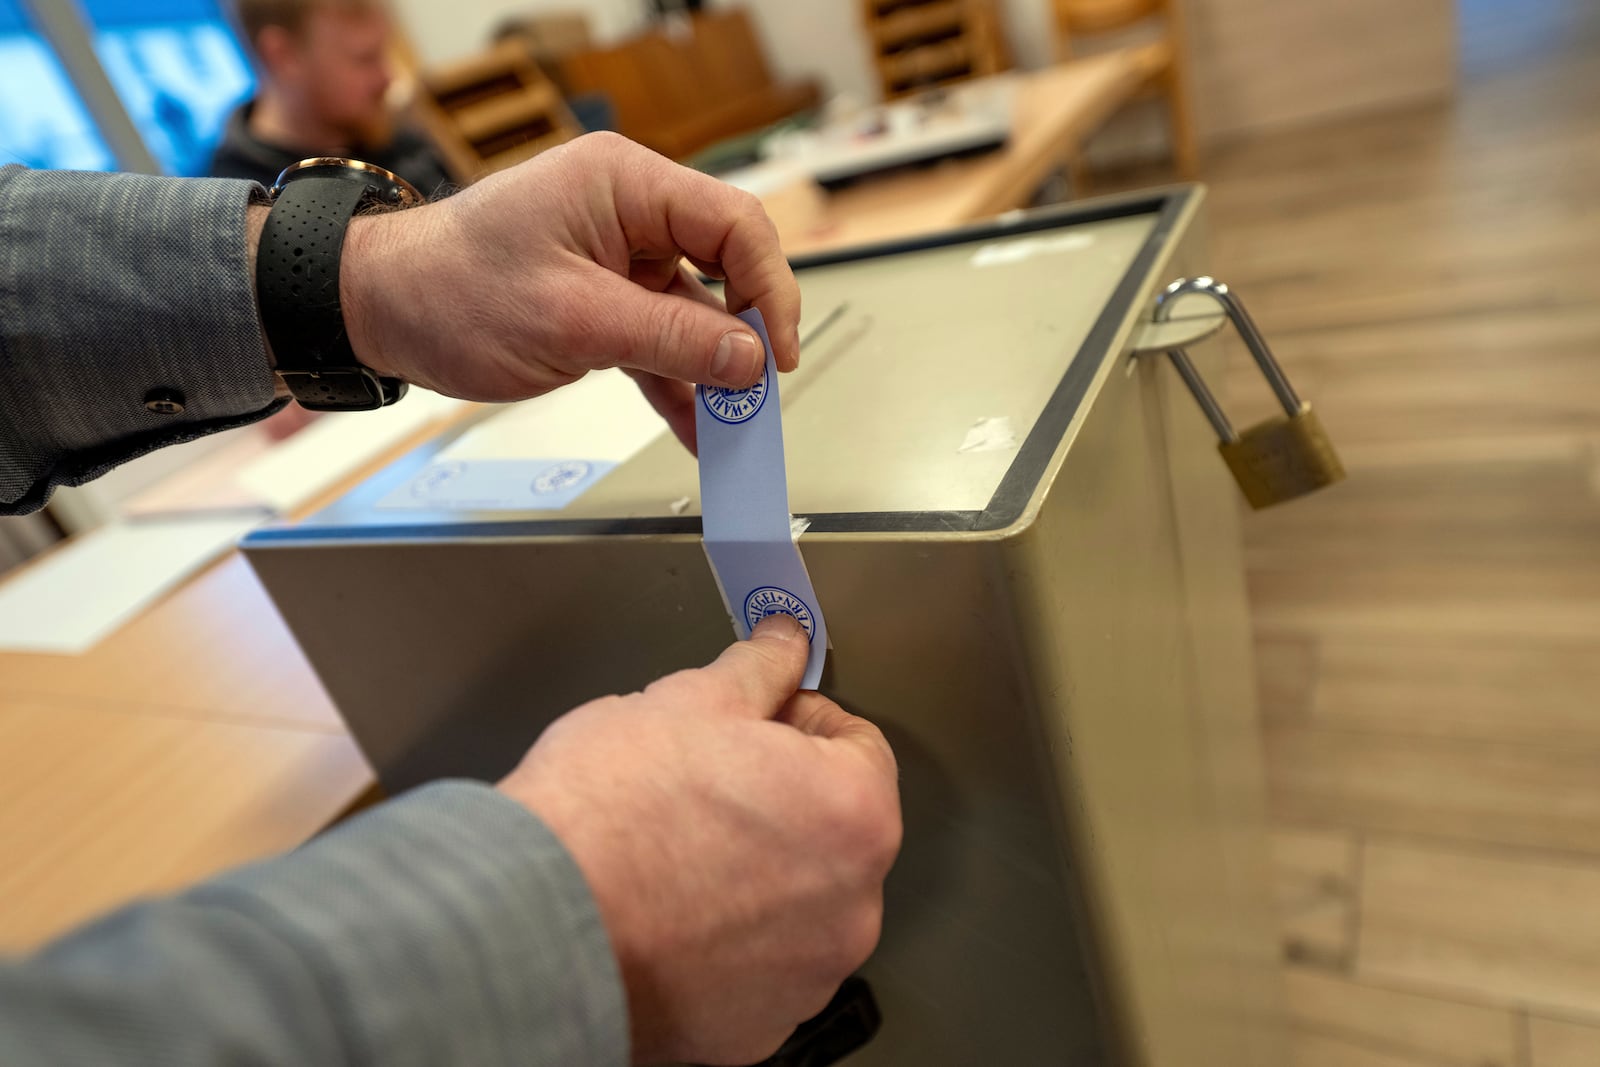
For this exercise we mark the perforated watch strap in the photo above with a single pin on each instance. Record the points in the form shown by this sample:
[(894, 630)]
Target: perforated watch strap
[(297, 284)]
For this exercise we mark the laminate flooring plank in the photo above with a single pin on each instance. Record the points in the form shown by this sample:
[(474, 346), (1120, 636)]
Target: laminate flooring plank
[(1518, 796), (1556, 1043), (1409, 1023), (1514, 928), (1314, 874)]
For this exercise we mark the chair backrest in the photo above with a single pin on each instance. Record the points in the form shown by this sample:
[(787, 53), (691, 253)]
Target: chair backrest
[(925, 44), (550, 38), (1161, 60), (492, 110)]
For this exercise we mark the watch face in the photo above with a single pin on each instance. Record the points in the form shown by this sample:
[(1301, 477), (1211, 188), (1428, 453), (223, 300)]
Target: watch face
[(386, 186)]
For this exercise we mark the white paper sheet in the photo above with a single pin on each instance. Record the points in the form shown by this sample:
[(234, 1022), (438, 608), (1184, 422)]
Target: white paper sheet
[(539, 455), (80, 593), (600, 416), (336, 446)]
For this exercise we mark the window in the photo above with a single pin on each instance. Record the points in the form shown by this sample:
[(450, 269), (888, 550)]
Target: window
[(179, 70), (159, 76), (43, 122)]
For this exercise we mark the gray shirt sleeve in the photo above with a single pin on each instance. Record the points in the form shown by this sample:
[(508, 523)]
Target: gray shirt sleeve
[(446, 927), (113, 285)]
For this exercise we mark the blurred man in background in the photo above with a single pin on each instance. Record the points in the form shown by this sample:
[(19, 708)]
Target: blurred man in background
[(324, 77)]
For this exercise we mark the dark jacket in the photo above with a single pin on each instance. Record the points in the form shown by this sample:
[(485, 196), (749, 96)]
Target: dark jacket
[(244, 155)]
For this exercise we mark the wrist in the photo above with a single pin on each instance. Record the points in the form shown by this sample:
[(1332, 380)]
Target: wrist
[(321, 302), (361, 286), (255, 218), (610, 894)]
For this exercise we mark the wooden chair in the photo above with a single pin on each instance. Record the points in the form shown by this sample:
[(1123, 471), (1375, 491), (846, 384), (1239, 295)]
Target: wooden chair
[(1167, 74), (492, 110), (924, 44)]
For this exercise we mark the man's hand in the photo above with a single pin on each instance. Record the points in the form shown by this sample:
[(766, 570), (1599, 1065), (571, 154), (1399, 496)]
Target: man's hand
[(736, 836), (566, 264)]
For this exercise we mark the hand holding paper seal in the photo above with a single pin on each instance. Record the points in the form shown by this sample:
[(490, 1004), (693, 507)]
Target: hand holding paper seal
[(736, 835), (745, 502), (569, 263)]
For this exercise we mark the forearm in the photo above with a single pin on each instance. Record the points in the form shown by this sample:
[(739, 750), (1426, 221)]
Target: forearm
[(116, 290), (447, 927)]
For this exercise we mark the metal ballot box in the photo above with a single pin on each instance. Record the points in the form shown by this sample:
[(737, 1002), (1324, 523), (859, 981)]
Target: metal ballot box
[(1028, 558)]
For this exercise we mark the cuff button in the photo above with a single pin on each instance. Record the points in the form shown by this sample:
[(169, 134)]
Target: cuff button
[(164, 401)]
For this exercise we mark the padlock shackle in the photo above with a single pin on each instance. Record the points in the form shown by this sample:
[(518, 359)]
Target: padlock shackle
[(1251, 336), (1202, 395)]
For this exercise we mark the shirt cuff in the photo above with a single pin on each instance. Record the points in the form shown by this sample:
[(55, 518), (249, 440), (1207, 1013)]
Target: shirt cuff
[(116, 289), (447, 926)]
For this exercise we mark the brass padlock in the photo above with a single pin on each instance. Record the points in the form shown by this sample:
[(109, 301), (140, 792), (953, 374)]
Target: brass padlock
[(1281, 459)]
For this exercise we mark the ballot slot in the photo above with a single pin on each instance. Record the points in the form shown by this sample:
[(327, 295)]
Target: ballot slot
[(869, 427)]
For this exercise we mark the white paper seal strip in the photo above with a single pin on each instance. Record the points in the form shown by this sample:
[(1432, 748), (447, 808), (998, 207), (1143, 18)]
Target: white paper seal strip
[(744, 501)]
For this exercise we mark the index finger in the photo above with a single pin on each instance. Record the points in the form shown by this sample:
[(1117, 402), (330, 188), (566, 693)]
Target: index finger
[(666, 209)]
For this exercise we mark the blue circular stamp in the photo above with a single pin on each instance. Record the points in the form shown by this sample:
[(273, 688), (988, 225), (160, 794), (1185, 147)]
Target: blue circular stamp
[(734, 405), (563, 475), (770, 600), (436, 478)]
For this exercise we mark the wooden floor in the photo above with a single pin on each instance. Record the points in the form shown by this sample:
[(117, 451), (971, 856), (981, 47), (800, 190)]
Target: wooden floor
[(1429, 632)]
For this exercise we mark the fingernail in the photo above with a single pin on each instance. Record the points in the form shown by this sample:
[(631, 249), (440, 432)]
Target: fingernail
[(779, 625), (738, 353)]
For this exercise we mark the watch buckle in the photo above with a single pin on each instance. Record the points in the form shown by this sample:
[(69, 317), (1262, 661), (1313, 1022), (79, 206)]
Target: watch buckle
[(344, 389)]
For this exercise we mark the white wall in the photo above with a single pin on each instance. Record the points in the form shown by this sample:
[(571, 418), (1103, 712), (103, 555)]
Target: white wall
[(815, 39), (1030, 30), (803, 38), (824, 39), (1269, 64), (455, 28), (1257, 64)]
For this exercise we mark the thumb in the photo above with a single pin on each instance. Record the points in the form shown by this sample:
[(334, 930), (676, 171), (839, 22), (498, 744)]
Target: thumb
[(765, 671), (673, 336)]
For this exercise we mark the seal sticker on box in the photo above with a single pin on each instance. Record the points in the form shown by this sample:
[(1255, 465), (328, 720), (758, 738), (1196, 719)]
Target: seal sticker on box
[(497, 485), (733, 406), (744, 497), (770, 600)]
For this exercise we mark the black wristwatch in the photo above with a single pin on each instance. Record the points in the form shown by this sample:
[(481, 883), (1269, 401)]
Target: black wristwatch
[(297, 280)]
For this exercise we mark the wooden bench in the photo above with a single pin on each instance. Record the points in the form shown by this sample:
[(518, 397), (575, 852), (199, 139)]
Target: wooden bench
[(678, 95)]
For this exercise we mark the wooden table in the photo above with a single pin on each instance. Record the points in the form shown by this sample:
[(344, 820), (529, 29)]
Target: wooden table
[(1056, 109), (197, 737), (194, 739)]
